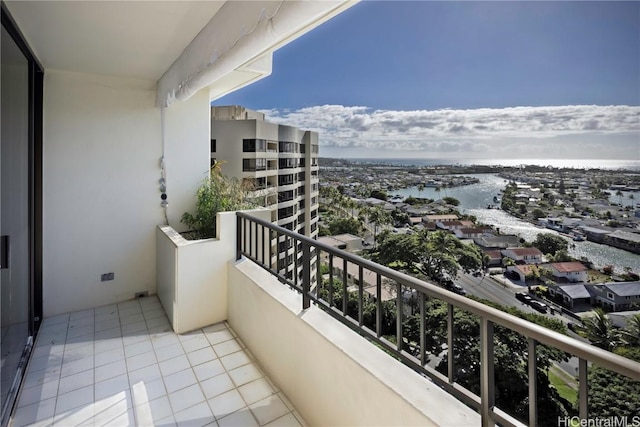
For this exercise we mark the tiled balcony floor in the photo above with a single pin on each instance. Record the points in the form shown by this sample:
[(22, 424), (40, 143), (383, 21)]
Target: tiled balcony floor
[(123, 365)]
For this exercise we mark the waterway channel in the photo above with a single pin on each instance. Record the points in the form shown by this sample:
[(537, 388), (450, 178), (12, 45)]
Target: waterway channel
[(475, 198)]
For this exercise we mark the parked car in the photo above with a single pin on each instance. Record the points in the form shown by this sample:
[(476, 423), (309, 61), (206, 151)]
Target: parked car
[(458, 289), (524, 298), (540, 306)]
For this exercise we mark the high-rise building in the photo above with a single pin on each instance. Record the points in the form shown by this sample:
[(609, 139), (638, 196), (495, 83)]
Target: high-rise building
[(281, 163)]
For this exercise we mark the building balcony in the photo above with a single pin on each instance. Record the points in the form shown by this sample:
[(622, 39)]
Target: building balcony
[(281, 355)]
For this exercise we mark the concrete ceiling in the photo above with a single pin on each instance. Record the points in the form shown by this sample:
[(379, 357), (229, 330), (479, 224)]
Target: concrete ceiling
[(139, 39)]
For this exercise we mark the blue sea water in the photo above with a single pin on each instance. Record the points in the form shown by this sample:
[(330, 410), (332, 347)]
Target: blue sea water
[(628, 164)]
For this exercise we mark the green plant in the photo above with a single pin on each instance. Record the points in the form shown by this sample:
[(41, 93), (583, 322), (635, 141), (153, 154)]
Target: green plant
[(217, 193)]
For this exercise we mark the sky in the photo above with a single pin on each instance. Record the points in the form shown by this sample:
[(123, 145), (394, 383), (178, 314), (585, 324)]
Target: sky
[(431, 79)]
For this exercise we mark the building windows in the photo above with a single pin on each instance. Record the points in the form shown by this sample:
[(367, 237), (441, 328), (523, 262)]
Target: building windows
[(285, 196), (254, 145), (286, 212), (287, 147), (609, 295), (287, 163), (286, 179), (252, 165)]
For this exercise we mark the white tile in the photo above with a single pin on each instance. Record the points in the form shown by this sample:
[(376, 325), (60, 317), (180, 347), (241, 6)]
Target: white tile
[(131, 319), (268, 409), (201, 356), (216, 385), (190, 335), (195, 344), (195, 416), (179, 380), (285, 399), (150, 412), (80, 416), (77, 323), (107, 334), (138, 348), (110, 344), (106, 324), (170, 421), (155, 313), (54, 320), (29, 414), (110, 370), (146, 375), (287, 420), (76, 381), (44, 362), (104, 358), (214, 328), (48, 349), (134, 338), (169, 352), (141, 361), (208, 370), (171, 366), (134, 328), (217, 337), (75, 366), (255, 390), (158, 322), (245, 374), (165, 340), (113, 405), (239, 419), (227, 347), (111, 387), (42, 376), (71, 354), (78, 397), (143, 392), (38, 393), (182, 399), (124, 420), (235, 360), (80, 331), (106, 310), (226, 403), (81, 314)]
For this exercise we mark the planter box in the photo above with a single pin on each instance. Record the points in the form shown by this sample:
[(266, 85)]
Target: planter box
[(192, 274)]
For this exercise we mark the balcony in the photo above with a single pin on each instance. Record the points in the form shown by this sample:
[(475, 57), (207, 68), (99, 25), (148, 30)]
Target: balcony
[(283, 354)]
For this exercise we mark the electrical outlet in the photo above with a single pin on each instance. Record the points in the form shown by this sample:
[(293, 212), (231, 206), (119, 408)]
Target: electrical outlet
[(107, 276)]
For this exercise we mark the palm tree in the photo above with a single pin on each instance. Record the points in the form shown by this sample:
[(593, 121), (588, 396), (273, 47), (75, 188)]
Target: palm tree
[(619, 194), (631, 336), (600, 331), (378, 217)]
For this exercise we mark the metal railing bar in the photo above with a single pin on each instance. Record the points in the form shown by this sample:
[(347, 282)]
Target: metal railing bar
[(423, 332), (379, 312), (541, 334), (533, 382), (487, 378), (399, 316), (450, 320), (360, 296), (345, 296)]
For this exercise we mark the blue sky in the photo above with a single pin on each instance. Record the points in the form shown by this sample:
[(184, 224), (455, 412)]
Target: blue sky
[(442, 79)]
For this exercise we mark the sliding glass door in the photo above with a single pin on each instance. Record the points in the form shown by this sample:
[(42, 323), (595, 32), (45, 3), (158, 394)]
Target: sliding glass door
[(19, 109)]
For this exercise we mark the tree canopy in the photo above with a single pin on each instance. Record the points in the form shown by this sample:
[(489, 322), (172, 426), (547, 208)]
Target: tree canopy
[(550, 243)]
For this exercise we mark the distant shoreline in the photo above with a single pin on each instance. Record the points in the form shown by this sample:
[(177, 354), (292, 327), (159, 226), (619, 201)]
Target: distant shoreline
[(549, 164)]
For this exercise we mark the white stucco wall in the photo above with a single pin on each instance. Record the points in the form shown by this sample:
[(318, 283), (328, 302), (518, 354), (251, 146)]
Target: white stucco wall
[(332, 376), (102, 145)]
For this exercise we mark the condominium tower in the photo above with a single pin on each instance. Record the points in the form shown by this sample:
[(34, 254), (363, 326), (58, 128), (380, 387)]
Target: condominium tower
[(280, 161)]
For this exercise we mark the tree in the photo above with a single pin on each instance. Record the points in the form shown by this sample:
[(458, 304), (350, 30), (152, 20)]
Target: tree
[(600, 331), (550, 243), (451, 201), (344, 225), (561, 187), (561, 256), (378, 217), (379, 194), (537, 213), (631, 335), (611, 394), (620, 195)]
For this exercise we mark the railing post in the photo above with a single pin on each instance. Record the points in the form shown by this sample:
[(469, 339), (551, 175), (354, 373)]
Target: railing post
[(423, 332), (583, 385), (533, 383), (378, 305), (306, 275), (487, 378), (399, 307), (238, 236), (450, 367)]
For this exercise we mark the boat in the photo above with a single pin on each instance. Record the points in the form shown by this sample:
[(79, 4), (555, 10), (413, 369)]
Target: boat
[(496, 199)]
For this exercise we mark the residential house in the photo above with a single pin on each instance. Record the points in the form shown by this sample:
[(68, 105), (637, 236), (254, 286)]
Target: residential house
[(523, 255), (571, 272), (498, 242), (521, 271), (616, 296), (571, 295), (472, 232)]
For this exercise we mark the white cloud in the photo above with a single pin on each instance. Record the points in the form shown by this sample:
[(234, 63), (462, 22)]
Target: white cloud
[(518, 130)]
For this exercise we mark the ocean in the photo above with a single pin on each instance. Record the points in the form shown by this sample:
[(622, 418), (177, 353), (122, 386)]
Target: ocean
[(627, 164)]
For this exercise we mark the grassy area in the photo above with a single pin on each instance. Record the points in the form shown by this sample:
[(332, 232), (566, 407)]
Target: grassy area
[(565, 384), (597, 277)]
